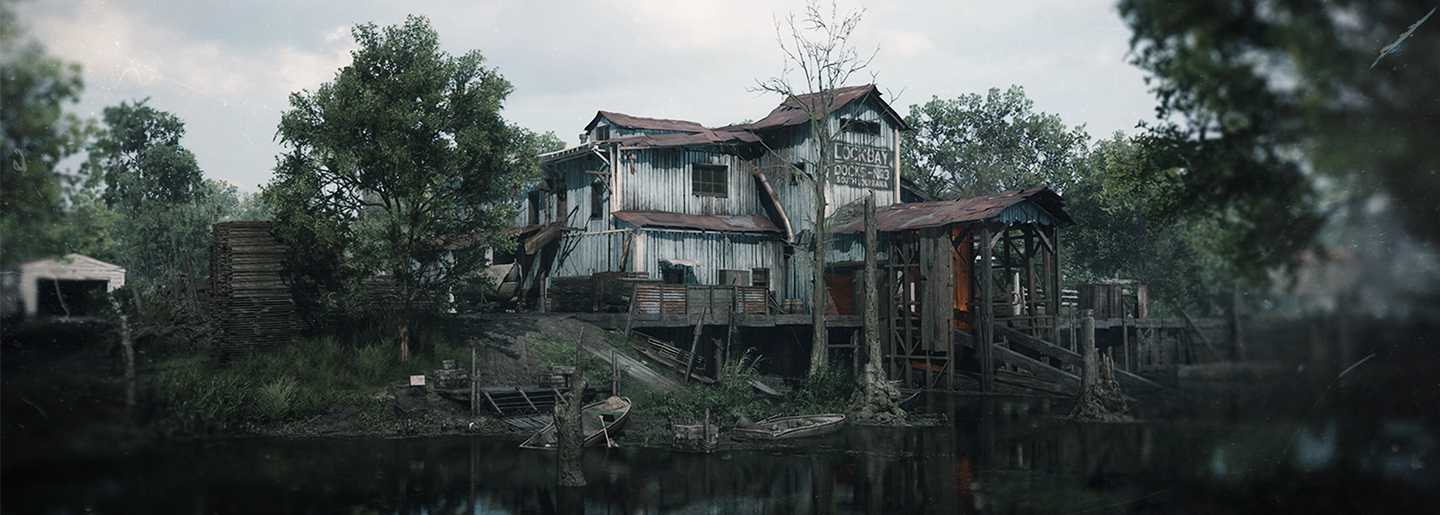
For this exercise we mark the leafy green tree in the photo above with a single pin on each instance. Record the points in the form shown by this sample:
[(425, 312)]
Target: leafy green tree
[(1114, 238), (974, 145), (1259, 100), (163, 206), (37, 135), (401, 159)]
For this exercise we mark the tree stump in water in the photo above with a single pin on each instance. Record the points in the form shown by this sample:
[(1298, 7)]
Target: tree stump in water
[(875, 401), (1100, 397), (569, 432)]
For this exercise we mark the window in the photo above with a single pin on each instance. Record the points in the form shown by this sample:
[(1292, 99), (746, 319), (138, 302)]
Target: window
[(709, 180), (597, 200), (859, 126), (534, 218), (602, 132)]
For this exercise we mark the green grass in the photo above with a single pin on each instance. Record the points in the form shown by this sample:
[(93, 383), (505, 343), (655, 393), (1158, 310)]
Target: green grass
[(733, 396), (201, 393)]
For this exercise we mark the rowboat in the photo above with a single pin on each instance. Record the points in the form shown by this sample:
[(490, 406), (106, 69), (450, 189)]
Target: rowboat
[(599, 423), (793, 426)]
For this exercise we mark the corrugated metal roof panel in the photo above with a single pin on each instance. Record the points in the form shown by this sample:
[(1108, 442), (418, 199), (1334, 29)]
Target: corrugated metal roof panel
[(637, 122), (793, 111), (706, 137), (725, 223), (907, 217)]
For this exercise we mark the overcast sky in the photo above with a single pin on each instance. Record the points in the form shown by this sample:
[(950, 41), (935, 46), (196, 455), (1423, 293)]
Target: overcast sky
[(227, 69)]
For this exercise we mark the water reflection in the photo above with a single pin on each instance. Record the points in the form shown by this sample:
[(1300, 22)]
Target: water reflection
[(988, 455)]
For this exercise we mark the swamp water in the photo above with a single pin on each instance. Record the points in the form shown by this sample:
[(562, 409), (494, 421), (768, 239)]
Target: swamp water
[(986, 455)]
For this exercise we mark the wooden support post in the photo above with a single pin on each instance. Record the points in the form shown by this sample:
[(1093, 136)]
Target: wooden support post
[(474, 383), (1125, 339), (695, 343), (614, 374), (729, 340), (986, 323)]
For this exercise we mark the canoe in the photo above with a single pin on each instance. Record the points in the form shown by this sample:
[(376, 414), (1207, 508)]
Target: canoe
[(598, 419), (794, 426)]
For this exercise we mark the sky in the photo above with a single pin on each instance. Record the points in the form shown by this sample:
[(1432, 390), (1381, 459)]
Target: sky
[(228, 69)]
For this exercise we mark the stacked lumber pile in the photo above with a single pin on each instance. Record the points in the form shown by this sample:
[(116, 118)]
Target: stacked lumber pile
[(250, 298), (598, 292)]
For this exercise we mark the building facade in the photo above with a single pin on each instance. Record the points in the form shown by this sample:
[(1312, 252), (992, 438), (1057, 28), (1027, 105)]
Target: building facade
[(676, 201)]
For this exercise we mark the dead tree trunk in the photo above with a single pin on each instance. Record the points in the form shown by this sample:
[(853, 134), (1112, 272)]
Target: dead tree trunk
[(570, 446), (875, 400)]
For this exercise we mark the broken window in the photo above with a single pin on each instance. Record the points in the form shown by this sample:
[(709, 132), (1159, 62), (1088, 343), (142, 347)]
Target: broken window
[(597, 200), (709, 180), (534, 218), (859, 126)]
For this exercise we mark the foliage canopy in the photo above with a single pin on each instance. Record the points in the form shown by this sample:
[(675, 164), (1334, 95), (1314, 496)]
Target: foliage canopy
[(402, 163), (974, 145)]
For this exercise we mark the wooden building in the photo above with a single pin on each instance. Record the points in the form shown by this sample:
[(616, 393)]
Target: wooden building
[(669, 224), (955, 271), (59, 286), (682, 203)]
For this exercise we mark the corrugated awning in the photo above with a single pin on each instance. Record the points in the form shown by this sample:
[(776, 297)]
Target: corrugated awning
[(723, 223), (1047, 208)]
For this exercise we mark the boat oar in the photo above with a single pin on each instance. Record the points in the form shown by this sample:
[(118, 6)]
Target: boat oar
[(606, 429)]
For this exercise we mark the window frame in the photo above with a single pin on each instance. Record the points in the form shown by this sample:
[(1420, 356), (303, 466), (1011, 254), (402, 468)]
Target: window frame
[(703, 186)]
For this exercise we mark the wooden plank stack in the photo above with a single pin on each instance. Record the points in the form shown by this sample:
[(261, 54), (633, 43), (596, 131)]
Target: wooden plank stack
[(598, 292), (249, 295)]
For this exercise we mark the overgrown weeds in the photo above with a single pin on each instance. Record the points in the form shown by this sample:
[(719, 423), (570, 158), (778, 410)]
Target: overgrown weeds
[(202, 393), (554, 351), (734, 396)]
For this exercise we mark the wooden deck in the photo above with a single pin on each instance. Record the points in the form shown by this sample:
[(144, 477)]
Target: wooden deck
[(618, 320)]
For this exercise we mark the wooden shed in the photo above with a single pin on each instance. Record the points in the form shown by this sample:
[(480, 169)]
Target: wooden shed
[(59, 286)]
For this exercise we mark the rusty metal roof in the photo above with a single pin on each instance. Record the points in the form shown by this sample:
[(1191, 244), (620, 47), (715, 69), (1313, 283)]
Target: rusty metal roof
[(793, 111), (707, 137), (920, 215), (725, 223), (637, 122)]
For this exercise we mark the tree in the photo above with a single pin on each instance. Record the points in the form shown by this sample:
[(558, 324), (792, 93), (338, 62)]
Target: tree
[(37, 135), (1260, 100), (974, 145), (163, 206), (820, 50), (399, 161), (1113, 237)]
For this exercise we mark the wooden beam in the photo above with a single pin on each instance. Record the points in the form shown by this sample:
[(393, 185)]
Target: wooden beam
[(695, 342), (986, 328), (1127, 380)]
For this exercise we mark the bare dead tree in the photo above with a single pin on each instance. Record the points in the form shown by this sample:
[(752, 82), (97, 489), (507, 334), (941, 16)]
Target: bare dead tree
[(819, 51)]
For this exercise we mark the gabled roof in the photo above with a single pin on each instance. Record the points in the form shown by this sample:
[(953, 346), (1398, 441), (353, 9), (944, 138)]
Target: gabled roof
[(724, 223), (636, 122), (921, 215), (796, 110)]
